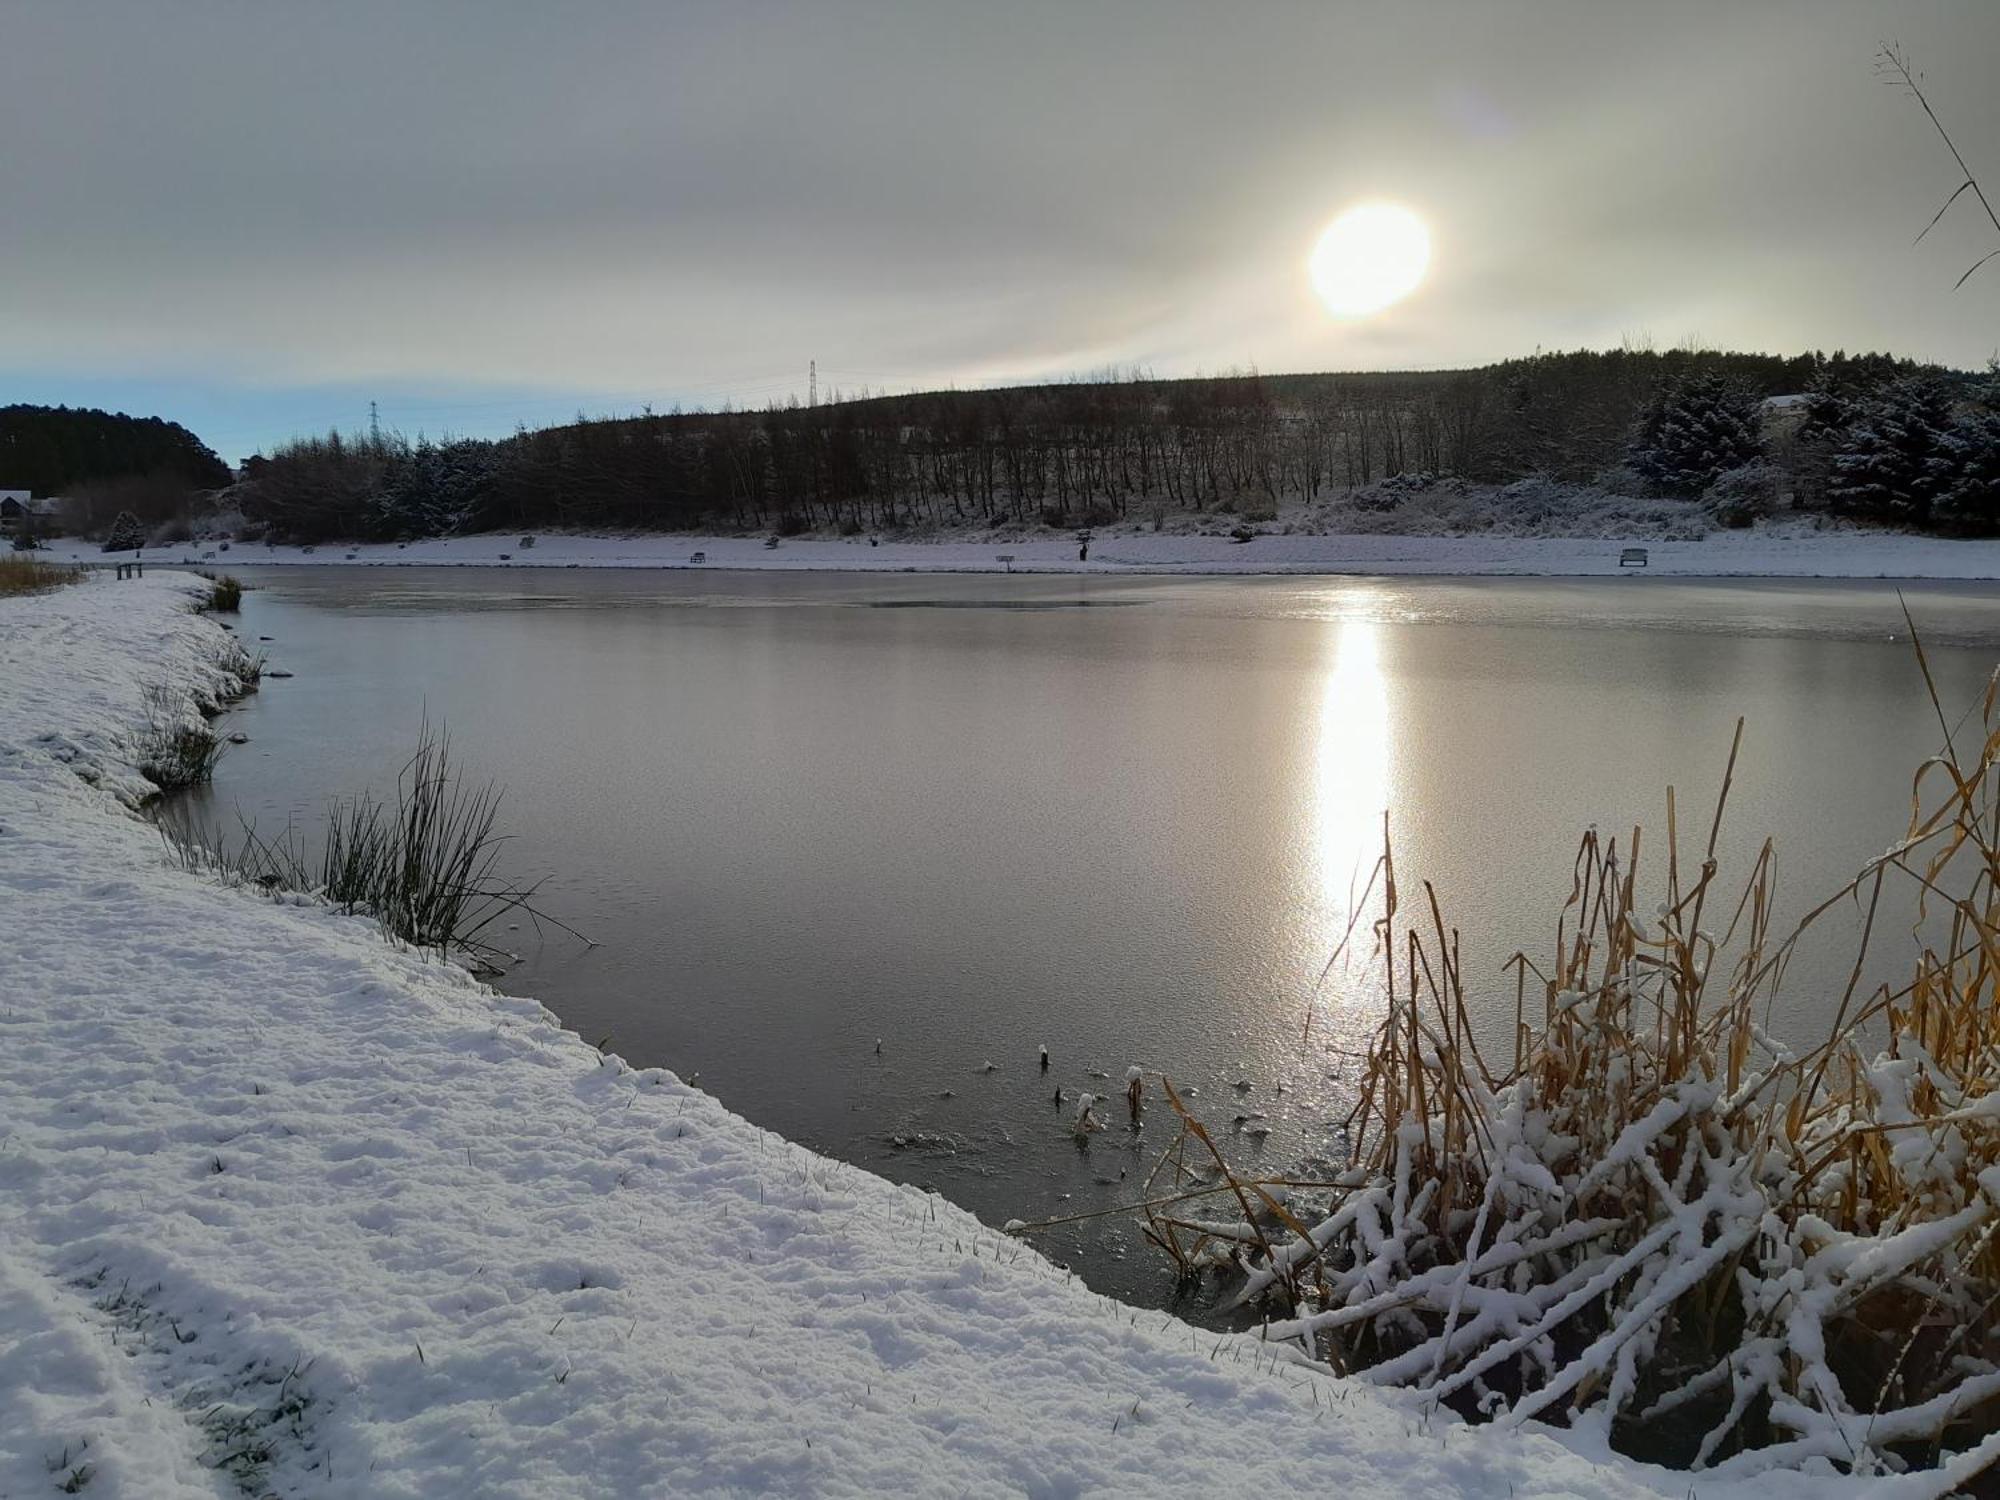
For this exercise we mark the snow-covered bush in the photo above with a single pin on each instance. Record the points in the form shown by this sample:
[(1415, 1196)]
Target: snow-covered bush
[(1742, 497), (1621, 479), (171, 532), (126, 534), (1537, 506)]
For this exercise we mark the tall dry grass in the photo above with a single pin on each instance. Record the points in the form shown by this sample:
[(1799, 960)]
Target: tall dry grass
[(29, 575), (424, 864), (1650, 1217)]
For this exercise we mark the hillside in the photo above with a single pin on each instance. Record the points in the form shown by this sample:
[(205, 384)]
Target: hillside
[(53, 449), (1081, 454)]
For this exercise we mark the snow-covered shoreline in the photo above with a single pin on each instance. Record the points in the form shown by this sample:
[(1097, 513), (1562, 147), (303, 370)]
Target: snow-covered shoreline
[(279, 1199), (1779, 551)]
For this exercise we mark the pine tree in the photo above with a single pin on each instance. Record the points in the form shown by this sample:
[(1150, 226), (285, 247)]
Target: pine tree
[(1695, 430), (1971, 500), (1897, 460), (126, 535)]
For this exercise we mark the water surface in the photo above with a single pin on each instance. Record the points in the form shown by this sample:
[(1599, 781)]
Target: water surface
[(970, 816)]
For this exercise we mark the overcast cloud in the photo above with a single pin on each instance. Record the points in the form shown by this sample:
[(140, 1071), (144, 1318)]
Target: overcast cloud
[(624, 202)]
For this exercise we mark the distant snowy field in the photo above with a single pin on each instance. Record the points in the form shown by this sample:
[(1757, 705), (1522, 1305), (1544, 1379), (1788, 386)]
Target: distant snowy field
[(285, 1211), (1786, 549)]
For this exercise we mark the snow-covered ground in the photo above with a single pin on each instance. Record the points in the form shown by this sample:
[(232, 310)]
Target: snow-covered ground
[(1783, 550), (284, 1210)]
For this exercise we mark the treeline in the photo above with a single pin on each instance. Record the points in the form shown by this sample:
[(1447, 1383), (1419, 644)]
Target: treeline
[(1060, 455), (52, 450)]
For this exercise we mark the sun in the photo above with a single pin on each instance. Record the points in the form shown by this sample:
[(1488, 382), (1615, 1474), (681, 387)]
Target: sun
[(1373, 255)]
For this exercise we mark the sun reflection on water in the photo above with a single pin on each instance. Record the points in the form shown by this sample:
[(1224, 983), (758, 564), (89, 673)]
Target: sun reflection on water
[(1351, 780)]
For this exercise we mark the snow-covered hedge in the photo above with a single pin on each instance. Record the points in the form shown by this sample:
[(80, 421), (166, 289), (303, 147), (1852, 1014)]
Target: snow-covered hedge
[(1422, 505)]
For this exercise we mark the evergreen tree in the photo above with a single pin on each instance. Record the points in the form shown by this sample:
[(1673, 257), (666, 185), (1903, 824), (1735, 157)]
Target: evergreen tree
[(52, 449), (1821, 433), (1695, 430), (1971, 499), (126, 534), (1897, 459)]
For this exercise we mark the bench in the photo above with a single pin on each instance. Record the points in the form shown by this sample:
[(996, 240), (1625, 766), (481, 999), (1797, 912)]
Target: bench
[(1632, 557), (699, 557)]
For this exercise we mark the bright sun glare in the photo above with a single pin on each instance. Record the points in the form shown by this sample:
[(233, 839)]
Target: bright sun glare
[(1371, 256)]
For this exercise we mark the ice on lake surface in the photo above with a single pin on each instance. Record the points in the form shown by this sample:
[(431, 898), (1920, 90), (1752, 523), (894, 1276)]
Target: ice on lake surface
[(972, 815)]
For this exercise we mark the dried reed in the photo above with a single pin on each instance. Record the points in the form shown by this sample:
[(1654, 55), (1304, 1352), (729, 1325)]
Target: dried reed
[(1651, 1218)]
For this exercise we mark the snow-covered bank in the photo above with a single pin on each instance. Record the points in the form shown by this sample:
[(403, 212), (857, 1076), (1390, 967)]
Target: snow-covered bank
[(1780, 551), (278, 1199)]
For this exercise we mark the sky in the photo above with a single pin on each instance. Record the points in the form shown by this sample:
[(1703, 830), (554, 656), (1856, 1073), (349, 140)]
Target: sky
[(258, 218)]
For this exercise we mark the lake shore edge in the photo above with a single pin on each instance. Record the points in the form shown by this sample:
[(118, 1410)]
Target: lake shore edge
[(1783, 551), (409, 1235)]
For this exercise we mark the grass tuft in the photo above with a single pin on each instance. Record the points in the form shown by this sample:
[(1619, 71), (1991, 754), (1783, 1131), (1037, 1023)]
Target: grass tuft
[(225, 593), (174, 751), (424, 865)]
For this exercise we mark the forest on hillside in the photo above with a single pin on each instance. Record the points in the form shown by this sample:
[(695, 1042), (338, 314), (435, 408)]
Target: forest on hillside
[(106, 465), (1080, 454), (51, 450), (1071, 454), (1868, 436)]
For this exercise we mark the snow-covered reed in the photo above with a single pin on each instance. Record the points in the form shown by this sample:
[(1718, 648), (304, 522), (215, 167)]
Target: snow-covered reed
[(177, 749), (1652, 1219)]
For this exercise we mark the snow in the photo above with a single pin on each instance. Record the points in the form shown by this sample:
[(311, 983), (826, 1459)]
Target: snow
[(286, 1210), (1785, 549)]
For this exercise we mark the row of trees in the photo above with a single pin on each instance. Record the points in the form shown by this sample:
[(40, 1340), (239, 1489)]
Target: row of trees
[(1062, 455), (1916, 447), (53, 450)]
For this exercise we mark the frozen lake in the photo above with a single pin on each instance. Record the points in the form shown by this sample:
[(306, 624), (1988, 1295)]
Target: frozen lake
[(970, 816)]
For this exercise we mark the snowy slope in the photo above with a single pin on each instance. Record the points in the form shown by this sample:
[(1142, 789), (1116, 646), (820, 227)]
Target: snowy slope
[(285, 1211), (1783, 550)]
